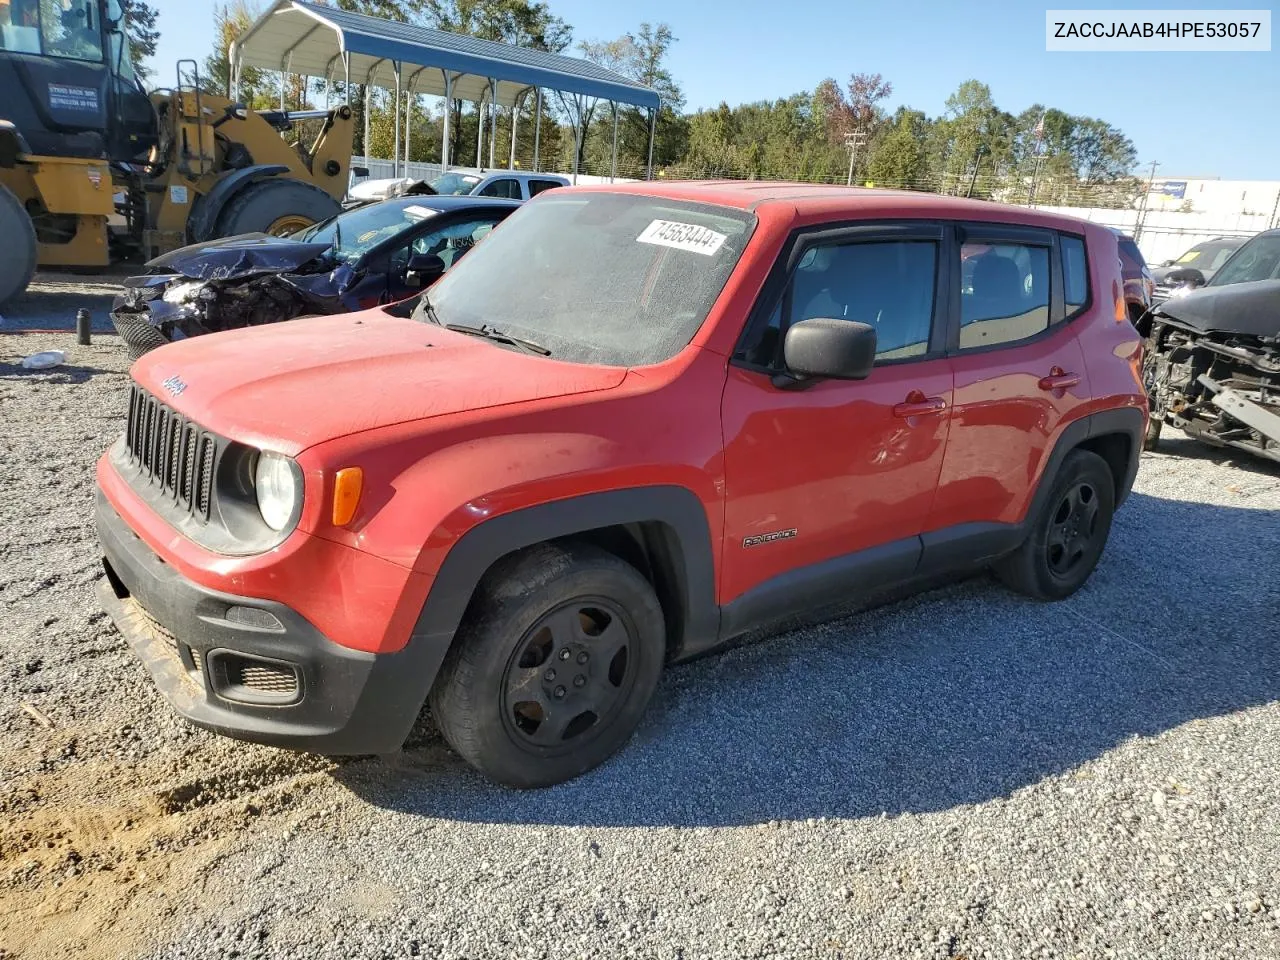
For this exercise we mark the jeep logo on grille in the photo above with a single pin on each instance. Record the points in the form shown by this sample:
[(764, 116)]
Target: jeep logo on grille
[(174, 385)]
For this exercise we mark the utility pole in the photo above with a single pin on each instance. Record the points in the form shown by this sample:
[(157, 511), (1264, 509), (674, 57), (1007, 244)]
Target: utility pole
[(1146, 198), (854, 142), (1038, 133), (977, 161)]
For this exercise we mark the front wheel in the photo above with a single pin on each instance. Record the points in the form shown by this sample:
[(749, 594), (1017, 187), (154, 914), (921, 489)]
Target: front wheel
[(553, 666), (1068, 535)]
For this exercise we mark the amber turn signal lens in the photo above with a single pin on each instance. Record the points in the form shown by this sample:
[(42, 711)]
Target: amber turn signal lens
[(346, 494)]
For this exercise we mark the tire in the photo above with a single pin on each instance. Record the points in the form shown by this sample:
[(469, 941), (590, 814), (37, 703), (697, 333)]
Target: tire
[(1053, 562), (260, 206), (19, 265), (526, 694)]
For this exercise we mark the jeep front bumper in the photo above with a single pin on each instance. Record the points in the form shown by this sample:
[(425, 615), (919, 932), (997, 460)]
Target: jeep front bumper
[(256, 669)]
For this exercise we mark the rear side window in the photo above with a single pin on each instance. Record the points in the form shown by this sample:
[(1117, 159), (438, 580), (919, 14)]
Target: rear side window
[(1004, 294), (537, 186), (1075, 273)]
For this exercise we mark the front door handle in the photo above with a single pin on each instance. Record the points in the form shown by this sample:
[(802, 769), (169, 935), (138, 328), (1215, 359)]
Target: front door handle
[(1058, 379), (918, 405)]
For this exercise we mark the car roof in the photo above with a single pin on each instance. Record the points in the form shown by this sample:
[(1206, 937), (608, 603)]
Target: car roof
[(517, 175), (449, 204), (838, 201)]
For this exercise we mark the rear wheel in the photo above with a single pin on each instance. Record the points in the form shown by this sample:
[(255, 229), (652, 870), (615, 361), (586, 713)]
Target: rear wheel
[(553, 667), (18, 265), (276, 206), (1068, 535)]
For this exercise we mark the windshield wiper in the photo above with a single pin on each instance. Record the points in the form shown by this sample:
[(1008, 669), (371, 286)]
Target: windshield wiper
[(497, 336), (425, 311)]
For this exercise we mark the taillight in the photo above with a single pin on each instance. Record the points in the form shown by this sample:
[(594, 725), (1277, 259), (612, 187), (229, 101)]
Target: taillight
[(1122, 312)]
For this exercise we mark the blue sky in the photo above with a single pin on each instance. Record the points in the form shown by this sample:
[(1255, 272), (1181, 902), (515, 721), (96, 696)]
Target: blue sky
[(1198, 114)]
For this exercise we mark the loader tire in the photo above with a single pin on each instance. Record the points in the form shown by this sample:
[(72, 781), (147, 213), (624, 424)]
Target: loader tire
[(19, 266), (275, 206)]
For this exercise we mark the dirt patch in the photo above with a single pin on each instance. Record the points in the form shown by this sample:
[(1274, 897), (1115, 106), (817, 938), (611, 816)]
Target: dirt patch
[(108, 868)]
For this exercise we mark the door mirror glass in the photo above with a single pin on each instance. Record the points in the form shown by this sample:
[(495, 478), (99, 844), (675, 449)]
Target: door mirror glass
[(830, 348)]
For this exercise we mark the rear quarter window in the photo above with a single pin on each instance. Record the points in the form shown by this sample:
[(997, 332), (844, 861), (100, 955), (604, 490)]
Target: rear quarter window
[(1075, 272)]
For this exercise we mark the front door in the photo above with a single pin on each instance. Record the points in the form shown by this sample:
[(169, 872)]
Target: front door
[(821, 471)]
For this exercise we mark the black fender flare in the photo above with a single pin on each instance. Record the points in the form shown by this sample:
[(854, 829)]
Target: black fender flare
[(1127, 421), (207, 209), (677, 508)]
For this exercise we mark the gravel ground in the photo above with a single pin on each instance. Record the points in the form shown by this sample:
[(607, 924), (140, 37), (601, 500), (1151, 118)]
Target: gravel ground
[(965, 774), (51, 301)]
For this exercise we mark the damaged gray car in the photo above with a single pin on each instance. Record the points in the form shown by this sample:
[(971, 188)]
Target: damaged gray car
[(376, 254), (1212, 366)]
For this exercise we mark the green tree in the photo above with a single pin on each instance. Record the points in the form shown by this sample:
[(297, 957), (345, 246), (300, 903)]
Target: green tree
[(141, 29), (257, 88), (898, 157)]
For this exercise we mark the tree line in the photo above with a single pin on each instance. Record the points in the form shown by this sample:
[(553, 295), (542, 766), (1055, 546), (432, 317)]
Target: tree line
[(837, 132)]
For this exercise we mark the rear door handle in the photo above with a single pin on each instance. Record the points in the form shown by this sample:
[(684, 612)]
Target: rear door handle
[(918, 405), (1058, 379)]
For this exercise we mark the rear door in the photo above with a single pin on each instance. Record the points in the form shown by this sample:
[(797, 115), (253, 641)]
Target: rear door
[(1018, 368), (833, 470)]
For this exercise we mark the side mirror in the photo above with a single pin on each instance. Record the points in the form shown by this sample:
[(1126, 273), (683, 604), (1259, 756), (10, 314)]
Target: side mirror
[(830, 348), (359, 171), (1168, 263), (424, 269), (1186, 275)]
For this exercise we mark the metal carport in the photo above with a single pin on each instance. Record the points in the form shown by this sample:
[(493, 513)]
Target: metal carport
[(313, 40)]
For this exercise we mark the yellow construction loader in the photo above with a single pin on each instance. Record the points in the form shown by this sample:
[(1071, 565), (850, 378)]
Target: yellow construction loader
[(94, 170)]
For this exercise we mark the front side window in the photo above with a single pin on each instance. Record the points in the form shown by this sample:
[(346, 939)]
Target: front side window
[(506, 189), (1259, 259), (605, 278), (1004, 294), (452, 243), (887, 285)]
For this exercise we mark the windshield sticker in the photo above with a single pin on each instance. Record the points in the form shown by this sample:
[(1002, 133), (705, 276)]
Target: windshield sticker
[(416, 212), (682, 236)]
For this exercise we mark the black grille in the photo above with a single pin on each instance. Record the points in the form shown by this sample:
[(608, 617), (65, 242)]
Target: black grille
[(171, 452), (267, 678)]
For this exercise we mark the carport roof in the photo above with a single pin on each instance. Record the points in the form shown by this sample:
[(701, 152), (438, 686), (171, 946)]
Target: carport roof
[(300, 37)]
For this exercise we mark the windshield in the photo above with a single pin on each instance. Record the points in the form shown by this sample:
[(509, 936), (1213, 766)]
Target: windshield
[(356, 232), (1207, 256), (55, 28), (613, 279), (1259, 259), (454, 184)]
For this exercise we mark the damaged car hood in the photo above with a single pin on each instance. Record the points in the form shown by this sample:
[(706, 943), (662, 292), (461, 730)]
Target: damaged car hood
[(1252, 309), (234, 257), (289, 386)]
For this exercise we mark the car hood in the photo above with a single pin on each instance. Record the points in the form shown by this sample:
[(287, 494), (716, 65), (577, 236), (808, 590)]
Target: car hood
[(239, 256), (1252, 308), (289, 386)]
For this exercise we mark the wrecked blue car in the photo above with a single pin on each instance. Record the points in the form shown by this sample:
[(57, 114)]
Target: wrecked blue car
[(374, 254)]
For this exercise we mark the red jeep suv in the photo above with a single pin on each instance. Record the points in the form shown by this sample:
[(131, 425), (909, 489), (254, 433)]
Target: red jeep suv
[(635, 423)]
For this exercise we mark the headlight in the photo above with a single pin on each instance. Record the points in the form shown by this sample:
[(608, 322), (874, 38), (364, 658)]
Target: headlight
[(276, 486), (179, 293)]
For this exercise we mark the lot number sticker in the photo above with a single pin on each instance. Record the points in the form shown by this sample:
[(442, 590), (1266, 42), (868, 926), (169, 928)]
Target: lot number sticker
[(682, 236)]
